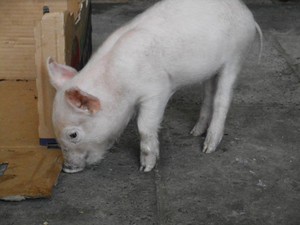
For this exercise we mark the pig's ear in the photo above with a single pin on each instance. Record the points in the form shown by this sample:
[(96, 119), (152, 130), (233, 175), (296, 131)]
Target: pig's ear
[(59, 73), (82, 100)]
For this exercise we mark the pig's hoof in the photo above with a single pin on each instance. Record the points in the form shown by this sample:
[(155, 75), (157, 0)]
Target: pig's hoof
[(198, 130), (146, 168), (148, 161), (208, 149), (210, 143)]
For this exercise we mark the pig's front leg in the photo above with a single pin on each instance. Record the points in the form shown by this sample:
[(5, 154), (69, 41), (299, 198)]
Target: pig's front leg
[(150, 115)]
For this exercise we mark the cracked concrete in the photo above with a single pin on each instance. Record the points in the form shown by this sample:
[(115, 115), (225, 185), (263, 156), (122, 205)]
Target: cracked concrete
[(254, 177)]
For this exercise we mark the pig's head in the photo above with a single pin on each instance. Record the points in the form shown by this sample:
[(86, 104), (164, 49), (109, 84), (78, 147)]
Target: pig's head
[(81, 127)]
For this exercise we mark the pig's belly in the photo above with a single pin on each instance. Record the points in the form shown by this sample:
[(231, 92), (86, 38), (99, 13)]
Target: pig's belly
[(193, 64), (193, 70)]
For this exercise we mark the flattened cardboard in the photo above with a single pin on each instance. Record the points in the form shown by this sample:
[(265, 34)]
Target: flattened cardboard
[(31, 170), (30, 173)]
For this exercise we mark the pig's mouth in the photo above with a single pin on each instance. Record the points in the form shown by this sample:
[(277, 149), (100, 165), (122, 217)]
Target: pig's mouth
[(72, 169), (74, 163), (79, 163)]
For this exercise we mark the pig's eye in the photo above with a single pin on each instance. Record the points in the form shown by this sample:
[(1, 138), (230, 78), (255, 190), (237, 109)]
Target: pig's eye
[(73, 135)]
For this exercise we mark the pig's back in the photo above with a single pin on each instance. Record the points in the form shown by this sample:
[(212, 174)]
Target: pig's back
[(195, 37), (194, 17), (178, 41)]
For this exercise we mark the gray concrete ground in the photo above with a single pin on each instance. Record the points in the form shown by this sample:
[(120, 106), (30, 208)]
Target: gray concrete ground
[(252, 180)]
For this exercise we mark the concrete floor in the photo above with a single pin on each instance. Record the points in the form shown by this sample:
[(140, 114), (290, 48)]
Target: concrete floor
[(254, 178)]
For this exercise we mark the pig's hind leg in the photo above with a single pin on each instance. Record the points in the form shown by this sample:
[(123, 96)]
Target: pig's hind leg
[(150, 116), (206, 108), (221, 104)]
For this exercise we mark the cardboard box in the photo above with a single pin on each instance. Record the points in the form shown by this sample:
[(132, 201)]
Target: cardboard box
[(28, 36), (66, 37), (17, 21)]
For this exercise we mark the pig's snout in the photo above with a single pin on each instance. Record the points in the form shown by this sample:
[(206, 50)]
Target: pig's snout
[(72, 169), (73, 162)]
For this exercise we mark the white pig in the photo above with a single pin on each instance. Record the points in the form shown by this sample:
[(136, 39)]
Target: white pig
[(173, 44)]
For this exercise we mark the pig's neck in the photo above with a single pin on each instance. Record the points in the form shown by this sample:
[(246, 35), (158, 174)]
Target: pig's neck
[(123, 108), (105, 78), (122, 105), (118, 101)]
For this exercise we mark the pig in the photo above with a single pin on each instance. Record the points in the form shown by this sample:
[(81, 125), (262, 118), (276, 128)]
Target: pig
[(173, 44)]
